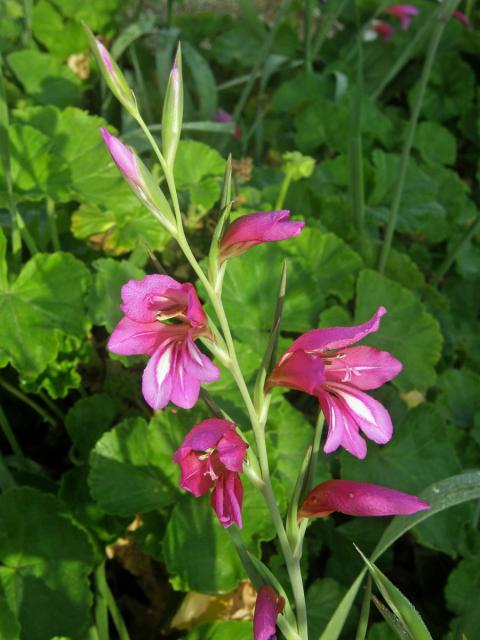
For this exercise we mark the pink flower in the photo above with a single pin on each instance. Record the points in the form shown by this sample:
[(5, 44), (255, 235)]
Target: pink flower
[(212, 455), (247, 231), (404, 12), (107, 61), (461, 17), (358, 499), (124, 159), (267, 607), (162, 319), (383, 29), (321, 363), (223, 116)]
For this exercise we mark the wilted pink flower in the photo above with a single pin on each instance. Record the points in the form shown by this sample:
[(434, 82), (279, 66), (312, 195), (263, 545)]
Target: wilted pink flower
[(162, 319), (358, 499), (404, 12), (461, 17), (124, 158), (247, 231), (267, 607), (321, 363), (212, 455), (383, 29)]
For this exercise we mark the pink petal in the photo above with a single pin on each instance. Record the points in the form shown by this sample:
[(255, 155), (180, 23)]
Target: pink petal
[(157, 381), (134, 338), (189, 369), (358, 499), (124, 158), (197, 363), (369, 414), (144, 300), (227, 498), (298, 370), (256, 228), (404, 12), (461, 17), (232, 450), (207, 434), (320, 340), (342, 429), (384, 30), (363, 367), (195, 476), (267, 607)]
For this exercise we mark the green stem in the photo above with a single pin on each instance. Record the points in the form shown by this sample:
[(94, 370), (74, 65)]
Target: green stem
[(365, 611), (169, 13), (332, 12), (141, 82), (444, 14), (52, 224), (5, 158), (457, 248), (101, 603), (27, 11), (11, 439), (283, 190), (7, 481), (403, 58), (317, 437), (307, 34), (31, 403), (262, 55), (51, 405), (114, 611), (356, 152)]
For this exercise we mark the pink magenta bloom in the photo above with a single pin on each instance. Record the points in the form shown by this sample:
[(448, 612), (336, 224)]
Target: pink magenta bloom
[(212, 455), (461, 17), (404, 12), (383, 29), (358, 499), (124, 159), (162, 320), (321, 363), (247, 231), (267, 607)]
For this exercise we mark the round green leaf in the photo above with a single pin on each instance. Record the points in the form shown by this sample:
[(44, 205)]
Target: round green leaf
[(104, 299), (48, 558), (38, 305), (137, 457)]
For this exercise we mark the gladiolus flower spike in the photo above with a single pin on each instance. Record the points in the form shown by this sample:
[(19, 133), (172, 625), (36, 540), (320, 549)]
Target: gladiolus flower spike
[(267, 607), (358, 499), (256, 228), (322, 363), (163, 318), (212, 455)]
